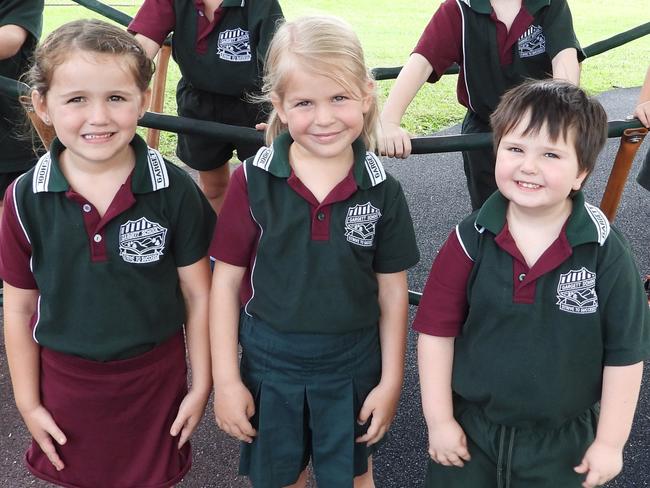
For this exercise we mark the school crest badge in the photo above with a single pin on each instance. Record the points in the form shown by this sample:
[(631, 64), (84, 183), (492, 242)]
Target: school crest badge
[(234, 45), (141, 241), (360, 224), (532, 42), (576, 292)]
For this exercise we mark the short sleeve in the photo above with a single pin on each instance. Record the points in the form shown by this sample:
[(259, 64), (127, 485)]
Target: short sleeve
[(27, 14), (15, 249), (396, 246), (623, 307), (443, 307), (155, 19), (441, 41), (194, 222), (235, 236), (558, 29)]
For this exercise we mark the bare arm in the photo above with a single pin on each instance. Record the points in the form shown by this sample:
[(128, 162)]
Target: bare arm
[(195, 286), (447, 441), (150, 46), (604, 458), (642, 110), (382, 401), (12, 37), (413, 75), (233, 403), (23, 356), (566, 67)]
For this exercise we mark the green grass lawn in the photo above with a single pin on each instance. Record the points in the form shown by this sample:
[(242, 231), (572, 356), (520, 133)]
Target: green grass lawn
[(389, 30)]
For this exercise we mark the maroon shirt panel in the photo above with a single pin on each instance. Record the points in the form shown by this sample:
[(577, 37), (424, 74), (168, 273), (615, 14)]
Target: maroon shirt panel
[(156, 19), (506, 39), (443, 306), (15, 249)]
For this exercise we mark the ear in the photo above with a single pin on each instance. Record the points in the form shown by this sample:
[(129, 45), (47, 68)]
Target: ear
[(277, 105), (40, 107), (144, 103), (368, 97), (577, 184)]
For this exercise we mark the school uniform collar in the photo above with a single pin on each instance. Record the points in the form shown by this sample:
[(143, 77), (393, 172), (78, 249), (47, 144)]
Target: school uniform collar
[(368, 171), (586, 224), (233, 3), (149, 174), (484, 6)]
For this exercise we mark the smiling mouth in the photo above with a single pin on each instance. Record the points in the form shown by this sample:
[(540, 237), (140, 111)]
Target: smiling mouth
[(98, 137), (529, 186)]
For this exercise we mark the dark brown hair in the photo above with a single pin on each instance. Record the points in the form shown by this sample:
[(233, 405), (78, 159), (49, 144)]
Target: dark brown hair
[(559, 106), (93, 36)]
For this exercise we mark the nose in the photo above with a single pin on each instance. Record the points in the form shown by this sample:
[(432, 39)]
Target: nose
[(98, 113), (324, 114), (529, 164)]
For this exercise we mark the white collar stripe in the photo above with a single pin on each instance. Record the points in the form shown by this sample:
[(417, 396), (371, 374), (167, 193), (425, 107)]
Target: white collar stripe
[(42, 173), (600, 222), (157, 170), (462, 244), (263, 158), (374, 168), (20, 221)]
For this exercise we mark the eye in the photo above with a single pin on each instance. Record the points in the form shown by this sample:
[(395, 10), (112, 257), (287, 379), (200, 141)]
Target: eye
[(76, 100), (339, 98), (551, 155), (303, 103), (116, 98), (514, 149)]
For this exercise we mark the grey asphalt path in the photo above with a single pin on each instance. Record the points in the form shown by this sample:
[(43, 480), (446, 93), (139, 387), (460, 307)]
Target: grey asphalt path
[(435, 189)]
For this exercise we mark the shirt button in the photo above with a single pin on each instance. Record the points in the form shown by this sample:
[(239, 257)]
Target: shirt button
[(97, 238), (522, 276), (321, 216), (87, 208)]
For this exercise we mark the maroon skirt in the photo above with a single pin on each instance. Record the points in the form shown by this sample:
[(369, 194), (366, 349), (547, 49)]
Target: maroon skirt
[(116, 417)]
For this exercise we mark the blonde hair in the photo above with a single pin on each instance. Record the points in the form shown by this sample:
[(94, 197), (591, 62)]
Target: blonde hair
[(326, 46)]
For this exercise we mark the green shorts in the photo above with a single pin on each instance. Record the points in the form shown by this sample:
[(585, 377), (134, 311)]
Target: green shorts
[(308, 391), (509, 457), (207, 153)]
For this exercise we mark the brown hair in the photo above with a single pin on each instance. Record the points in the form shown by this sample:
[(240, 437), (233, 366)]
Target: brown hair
[(94, 36), (559, 106), (323, 45)]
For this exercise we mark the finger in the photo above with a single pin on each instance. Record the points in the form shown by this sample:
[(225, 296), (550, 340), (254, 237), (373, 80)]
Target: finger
[(455, 460), (178, 424), (364, 414), (406, 152), (380, 434), (236, 432), (592, 480), (250, 408), (186, 432), (53, 430), (582, 468), (373, 428), (47, 446)]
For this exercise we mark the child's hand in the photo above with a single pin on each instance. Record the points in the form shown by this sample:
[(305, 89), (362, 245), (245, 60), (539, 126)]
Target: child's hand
[(381, 403), (189, 415), (261, 126), (642, 112), (43, 429), (448, 444), (233, 407), (394, 141), (601, 463)]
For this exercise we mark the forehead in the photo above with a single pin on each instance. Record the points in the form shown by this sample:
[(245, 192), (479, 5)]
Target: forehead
[(302, 82), (525, 129), (93, 69)]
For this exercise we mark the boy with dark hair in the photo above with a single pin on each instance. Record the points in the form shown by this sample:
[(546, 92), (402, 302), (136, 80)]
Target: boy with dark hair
[(533, 318), (220, 46)]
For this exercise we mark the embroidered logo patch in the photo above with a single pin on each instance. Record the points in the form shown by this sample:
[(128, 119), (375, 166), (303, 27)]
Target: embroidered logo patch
[(532, 42), (360, 224), (576, 292), (141, 241), (234, 45)]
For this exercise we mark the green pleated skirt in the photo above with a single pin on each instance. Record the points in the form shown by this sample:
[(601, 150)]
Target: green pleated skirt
[(308, 391)]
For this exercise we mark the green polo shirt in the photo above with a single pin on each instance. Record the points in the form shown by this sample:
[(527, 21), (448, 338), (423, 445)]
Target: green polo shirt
[(108, 285), (236, 48), (312, 265), (16, 152), (534, 343)]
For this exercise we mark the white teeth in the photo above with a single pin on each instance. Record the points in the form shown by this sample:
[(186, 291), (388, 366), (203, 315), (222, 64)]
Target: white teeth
[(532, 186), (97, 136)]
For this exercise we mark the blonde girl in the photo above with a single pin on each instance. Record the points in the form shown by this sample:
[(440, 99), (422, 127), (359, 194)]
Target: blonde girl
[(103, 253), (311, 252)]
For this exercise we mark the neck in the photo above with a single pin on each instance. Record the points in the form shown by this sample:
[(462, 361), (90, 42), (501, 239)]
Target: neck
[(540, 218)]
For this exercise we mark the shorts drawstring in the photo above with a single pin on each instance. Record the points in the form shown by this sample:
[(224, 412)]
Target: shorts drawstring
[(508, 466)]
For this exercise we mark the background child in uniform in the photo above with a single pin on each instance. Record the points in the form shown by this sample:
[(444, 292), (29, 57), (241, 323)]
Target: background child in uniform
[(220, 46), (533, 313), (314, 240), (103, 251), (497, 44), (20, 28)]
